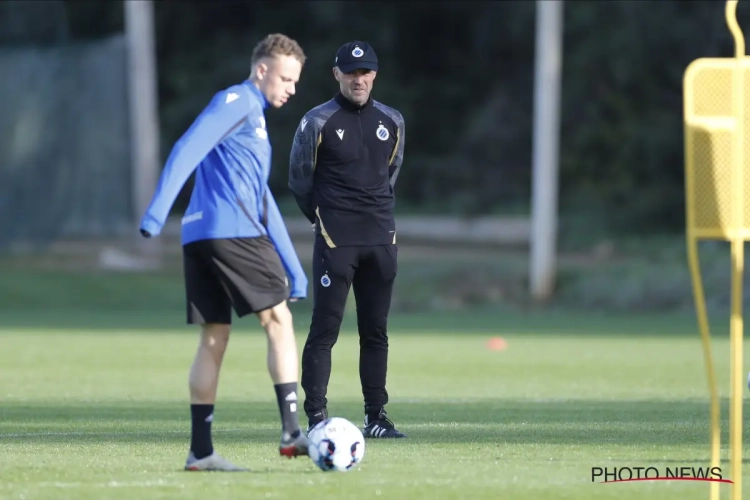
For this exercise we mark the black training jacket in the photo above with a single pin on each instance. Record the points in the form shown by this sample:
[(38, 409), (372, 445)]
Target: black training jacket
[(342, 169)]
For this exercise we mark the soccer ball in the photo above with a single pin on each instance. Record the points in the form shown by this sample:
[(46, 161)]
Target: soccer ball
[(336, 444)]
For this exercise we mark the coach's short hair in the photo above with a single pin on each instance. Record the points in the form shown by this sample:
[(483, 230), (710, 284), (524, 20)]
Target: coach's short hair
[(277, 44)]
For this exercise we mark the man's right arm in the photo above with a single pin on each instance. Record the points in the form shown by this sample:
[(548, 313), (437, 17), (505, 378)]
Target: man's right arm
[(302, 162), (218, 120)]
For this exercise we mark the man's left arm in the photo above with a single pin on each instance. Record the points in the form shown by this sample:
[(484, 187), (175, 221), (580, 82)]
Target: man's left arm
[(222, 116), (397, 157), (302, 161), (280, 236)]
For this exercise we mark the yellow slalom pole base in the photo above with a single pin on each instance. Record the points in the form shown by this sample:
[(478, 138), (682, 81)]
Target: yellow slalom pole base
[(702, 316)]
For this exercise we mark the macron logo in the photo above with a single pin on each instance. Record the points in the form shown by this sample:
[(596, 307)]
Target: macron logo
[(340, 133), (231, 97), (292, 396), (302, 125)]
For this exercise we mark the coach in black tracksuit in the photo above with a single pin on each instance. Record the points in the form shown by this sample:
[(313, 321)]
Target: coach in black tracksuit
[(346, 156)]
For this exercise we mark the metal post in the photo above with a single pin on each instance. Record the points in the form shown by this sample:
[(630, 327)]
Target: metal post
[(142, 97), (547, 82)]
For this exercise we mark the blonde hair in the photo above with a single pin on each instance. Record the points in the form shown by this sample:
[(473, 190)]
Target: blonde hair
[(277, 44)]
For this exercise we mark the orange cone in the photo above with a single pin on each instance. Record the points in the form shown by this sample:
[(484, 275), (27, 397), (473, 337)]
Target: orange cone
[(497, 344)]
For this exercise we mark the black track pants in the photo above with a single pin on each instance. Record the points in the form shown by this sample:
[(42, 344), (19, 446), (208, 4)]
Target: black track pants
[(371, 270)]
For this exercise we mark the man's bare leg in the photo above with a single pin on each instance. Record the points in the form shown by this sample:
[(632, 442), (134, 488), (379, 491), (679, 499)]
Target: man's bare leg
[(203, 381), (282, 346), (204, 373), (283, 367)]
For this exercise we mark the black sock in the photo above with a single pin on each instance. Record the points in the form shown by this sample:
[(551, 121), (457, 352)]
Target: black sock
[(286, 395), (200, 439), (373, 412)]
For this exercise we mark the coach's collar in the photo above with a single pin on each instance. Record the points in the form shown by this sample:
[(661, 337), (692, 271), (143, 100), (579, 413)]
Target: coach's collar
[(349, 105)]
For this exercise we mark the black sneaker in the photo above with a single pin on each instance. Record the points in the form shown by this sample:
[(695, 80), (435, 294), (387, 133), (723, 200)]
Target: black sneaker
[(316, 419), (381, 427)]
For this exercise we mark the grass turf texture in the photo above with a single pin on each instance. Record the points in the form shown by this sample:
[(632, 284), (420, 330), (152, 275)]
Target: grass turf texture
[(97, 409)]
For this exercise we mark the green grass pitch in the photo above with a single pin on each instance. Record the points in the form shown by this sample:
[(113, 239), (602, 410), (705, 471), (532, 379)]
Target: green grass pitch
[(97, 410)]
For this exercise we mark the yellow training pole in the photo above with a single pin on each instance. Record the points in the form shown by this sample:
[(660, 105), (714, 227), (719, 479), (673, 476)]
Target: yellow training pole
[(715, 134), (737, 386), (737, 252), (700, 307)]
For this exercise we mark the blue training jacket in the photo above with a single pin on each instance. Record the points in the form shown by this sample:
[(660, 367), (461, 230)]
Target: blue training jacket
[(228, 145)]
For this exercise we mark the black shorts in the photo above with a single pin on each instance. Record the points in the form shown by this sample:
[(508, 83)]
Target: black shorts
[(241, 273)]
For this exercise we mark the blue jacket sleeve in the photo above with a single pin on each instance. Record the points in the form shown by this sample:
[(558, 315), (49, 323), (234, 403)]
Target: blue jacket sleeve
[(227, 110), (279, 235)]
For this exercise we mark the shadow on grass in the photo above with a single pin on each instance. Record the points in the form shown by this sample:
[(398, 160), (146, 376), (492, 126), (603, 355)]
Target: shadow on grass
[(502, 422), (94, 300), (484, 321), (109, 301)]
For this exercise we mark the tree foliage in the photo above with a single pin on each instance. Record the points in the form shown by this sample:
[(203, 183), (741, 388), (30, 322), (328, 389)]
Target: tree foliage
[(462, 75)]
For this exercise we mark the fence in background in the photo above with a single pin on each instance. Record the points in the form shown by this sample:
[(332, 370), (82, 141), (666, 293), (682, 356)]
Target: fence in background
[(64, 143)]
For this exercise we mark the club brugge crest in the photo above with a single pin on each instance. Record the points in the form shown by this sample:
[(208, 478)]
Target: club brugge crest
[(325, 281), (357, 52), (382, 133)]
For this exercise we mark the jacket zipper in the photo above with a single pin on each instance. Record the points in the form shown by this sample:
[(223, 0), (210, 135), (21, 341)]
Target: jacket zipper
[(361, 130)]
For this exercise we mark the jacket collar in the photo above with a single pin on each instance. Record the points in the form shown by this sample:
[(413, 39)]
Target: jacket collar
[(350, 106), (255, 90)]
